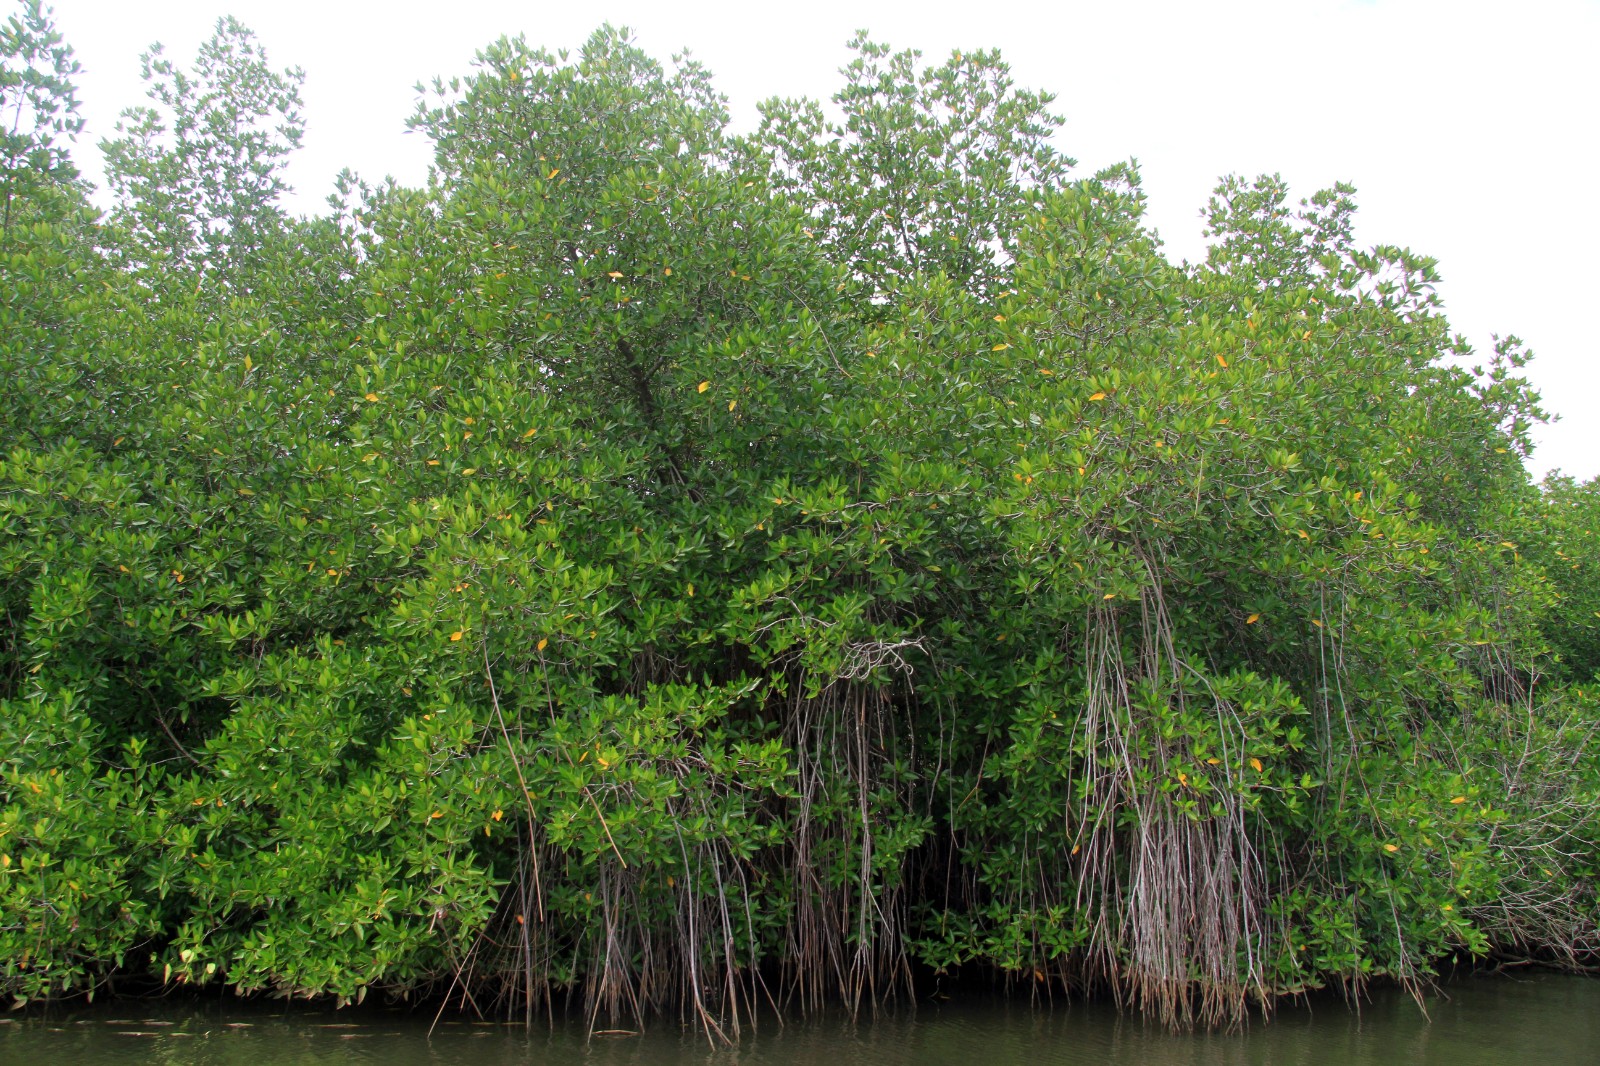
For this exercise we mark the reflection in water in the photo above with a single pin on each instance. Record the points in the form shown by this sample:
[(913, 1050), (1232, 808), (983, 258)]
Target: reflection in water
[(1532, 1019)]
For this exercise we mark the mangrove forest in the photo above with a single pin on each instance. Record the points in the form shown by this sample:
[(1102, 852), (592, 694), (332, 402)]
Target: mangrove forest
[(659, 571)]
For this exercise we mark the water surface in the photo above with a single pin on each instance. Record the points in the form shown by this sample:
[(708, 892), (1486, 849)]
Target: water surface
[(1526, 1020)]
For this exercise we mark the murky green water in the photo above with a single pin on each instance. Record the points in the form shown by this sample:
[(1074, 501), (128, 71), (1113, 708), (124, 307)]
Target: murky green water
[(1528, 1020)]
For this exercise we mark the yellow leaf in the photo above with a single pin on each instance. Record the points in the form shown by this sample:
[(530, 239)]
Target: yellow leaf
[(1109, 596), (469, 471), (118, 441), (691, 590), (999, 318), (372, 397), (333, 573), (667, 273), (1255, 764), (732, 404), (528, 434), (615, 274), (1317, 622), (1459, 799), (1000, 347), (1075, 849), (552, 174), (1306, 335), (1046, 371), (433, 462), (1391, 848), (436, 814), (497, 815), (1252, 620), (1183, 779), (703, 386), (1097, 397), (1302, 534), (124, 569), (1213, 761), (247, 492), (248, 365), (457, 635)]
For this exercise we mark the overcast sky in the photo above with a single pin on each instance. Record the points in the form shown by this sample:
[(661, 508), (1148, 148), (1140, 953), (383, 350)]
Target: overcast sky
[(1469, 129)]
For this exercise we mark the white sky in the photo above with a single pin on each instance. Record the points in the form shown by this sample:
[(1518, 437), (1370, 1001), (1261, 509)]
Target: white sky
[(1470, 129)]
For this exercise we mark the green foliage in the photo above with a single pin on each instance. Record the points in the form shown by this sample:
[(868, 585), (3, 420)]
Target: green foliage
[(656, 567), (929, 170), (1564, 544), (41, 108), (197, 173)]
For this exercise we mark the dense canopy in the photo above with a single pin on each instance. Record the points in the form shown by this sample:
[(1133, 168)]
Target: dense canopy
[(653, 569)]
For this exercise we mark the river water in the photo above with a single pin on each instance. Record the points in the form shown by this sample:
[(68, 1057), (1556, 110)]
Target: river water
[(1526, 1020)]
